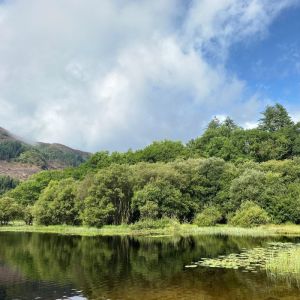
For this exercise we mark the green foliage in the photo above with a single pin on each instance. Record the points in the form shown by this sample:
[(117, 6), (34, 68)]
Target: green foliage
[(250, 214), (61, 154), (160, 199), (149, 223), (7, 183), (11, 149), (33, 157), (275, 118), (104, 159), (209, 216), (9, 210), (41, 154), (250, 185), (28, 192), (164, 151), (111, 192), (217, 140), (125, 194), (56, 204), (27, 215), (275, 138), (286, 207), (214, 174), (97, 212), (149, 210), (274, 192)]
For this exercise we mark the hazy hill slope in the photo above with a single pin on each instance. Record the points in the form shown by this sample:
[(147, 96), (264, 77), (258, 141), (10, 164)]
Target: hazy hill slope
[(5, 135), (20, 159)]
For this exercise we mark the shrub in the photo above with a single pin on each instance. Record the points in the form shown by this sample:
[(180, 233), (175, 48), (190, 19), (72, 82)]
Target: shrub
[(109, 197), (27, 214), (210, 216), (97, 213), (249, 215), (248, 186), (33, 157), (9, 210), (155, 224), (160, 199), (149, 210), (56, 204)]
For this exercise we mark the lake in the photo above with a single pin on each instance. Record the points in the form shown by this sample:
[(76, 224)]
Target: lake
[(49, 266)]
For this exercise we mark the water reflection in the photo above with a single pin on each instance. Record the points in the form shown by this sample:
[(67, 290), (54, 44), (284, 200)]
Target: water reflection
[(59, 267)]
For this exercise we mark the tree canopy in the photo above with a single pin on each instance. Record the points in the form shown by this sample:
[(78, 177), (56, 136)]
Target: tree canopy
[(229, 174)]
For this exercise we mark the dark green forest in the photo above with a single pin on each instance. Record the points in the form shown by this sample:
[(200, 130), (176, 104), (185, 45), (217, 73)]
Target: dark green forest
[(243, 177)]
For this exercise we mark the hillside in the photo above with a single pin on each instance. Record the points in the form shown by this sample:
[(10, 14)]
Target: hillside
[(6, 135), (20, 159)]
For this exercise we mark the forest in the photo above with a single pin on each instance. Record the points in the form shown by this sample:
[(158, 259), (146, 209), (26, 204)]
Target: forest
[(228, 175)]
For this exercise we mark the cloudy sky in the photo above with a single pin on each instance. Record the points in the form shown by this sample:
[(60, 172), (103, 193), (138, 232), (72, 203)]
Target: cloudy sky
[(118, 74)]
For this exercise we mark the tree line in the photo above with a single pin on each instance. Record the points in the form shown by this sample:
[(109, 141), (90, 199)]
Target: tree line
[(228, 175)]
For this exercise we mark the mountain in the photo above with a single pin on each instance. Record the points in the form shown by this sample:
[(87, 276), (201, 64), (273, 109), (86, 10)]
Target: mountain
[(20, 159), (5, 135)]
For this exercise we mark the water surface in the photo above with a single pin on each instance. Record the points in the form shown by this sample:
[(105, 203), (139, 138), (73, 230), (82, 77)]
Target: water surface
[(48, 266)]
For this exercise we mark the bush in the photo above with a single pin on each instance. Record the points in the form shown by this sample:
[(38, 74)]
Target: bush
[(33, 157), (251, 184), (56, 204), (249, 214), (160, 199), (109, 197), (9, 210), (149, 210), (154, 224), (27, 215), (210, 216), (97, 213)]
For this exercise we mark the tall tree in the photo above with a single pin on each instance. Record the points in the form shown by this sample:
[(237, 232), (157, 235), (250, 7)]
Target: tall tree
[(214, 123), (275, 118)]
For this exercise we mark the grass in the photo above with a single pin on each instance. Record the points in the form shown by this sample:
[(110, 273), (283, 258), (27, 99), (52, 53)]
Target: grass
[(172, 228), (286, 265)]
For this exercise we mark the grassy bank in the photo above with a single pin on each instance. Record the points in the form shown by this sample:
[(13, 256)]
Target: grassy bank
[(176, 229)]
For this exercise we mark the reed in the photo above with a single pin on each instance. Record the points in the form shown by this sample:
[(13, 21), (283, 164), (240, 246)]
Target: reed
[(285, 265)]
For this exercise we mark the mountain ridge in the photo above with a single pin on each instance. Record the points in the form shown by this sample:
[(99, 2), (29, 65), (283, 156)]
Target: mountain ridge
[(20, 158)]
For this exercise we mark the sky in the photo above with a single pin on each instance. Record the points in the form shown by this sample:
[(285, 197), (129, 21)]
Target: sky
[(118, 74)]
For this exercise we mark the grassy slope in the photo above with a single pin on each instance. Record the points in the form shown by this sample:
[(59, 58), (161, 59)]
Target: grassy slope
[(184, 229)]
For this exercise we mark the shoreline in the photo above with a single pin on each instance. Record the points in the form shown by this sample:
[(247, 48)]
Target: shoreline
[(182, 230)]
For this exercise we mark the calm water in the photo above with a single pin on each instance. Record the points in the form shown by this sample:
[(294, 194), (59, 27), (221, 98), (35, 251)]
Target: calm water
[(45, 266)]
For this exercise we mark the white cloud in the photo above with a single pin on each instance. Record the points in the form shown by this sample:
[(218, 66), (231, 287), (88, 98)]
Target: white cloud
[(250, 125), (114, 75), (216, 24)]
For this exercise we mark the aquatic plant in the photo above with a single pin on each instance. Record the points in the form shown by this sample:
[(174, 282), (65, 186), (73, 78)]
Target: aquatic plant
[(285, 265), (277, 259)]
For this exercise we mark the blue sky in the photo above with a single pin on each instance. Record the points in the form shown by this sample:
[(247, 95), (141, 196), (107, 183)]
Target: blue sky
[(118, 74), (271, 65)]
